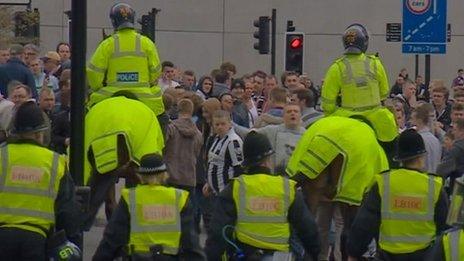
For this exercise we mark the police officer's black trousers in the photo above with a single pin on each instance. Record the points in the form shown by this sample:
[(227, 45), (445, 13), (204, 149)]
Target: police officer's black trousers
[(21, 245)]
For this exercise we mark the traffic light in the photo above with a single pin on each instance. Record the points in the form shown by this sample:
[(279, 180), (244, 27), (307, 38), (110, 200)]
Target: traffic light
[(262, 34), (148, 26), (294, 52)]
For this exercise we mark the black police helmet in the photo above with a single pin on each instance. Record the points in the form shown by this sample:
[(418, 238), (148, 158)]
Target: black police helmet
[(256, 147), (122, 16), (410, 145), (355, 39), (28, 118), (151, 164)]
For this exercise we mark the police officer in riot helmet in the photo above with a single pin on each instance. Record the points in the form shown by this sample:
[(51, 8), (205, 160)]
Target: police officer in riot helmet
[(127, 60), (356, 84)]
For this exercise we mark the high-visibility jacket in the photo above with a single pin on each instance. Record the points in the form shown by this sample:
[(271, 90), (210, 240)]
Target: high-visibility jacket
[(363, 158), (154, 217), (262, 202), (359, 79), (453, 243), (126, 61), (29, 183), (361, 83), (120, 116), (408, 200)]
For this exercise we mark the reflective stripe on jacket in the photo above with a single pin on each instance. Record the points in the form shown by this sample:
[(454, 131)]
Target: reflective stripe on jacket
[(452, 244), (120, 116), (126, 61), (29, 184), (360, 80), (262, 203), (154, 217), (407, 210), (329, 137)]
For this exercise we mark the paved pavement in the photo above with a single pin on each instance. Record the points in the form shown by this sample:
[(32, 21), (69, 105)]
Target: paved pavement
[(91, 240)]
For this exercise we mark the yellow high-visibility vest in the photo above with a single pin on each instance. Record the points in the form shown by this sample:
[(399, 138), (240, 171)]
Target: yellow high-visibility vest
[(359, 79), (262, 202), (29, 182), (361, 84), (154, 217), (452, 244), (407, 210), (126, 61)]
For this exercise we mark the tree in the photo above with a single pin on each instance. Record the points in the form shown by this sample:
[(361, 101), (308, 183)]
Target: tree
[(6, 26)]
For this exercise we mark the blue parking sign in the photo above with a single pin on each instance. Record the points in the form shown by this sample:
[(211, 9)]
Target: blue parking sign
[(424, 26)]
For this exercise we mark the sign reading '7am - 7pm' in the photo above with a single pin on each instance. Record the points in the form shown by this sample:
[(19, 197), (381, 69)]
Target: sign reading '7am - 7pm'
[(424, 26)]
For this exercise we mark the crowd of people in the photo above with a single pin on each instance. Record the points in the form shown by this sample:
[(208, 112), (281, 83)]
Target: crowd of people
[(28, 74), (217, 150), (210, 115)]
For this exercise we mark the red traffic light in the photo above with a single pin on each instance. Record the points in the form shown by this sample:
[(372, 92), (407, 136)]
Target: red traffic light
[(296, 43)]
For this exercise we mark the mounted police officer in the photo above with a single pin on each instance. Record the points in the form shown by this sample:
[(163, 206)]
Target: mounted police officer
[(125, 61), (356, 84)]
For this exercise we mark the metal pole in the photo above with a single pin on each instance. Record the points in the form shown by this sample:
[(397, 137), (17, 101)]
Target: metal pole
[(154, 12), (427, 69), (273, 40), (78, 50), (416, 70)]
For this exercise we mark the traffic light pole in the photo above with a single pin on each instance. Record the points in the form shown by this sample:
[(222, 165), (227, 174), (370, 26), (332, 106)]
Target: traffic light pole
[(427, 69), (273, 41), (154, 12), (78, 50)]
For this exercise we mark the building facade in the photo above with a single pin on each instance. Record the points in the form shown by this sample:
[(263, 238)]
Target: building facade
[(200, 34)]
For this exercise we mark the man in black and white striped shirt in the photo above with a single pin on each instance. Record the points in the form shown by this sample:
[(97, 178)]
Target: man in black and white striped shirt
[(225, 154)]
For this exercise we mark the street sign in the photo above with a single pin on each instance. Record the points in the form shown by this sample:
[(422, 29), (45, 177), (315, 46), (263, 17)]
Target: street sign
[(394, 32), (424, 26)]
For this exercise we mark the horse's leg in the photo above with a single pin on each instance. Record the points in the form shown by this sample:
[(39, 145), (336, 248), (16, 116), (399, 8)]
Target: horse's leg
[(110, 201), (127, 171), (99, 186), (324, 185)]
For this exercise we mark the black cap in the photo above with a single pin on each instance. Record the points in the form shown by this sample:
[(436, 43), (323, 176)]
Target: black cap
[(256, 147), (28, 118), (151, 164), (410, 145)]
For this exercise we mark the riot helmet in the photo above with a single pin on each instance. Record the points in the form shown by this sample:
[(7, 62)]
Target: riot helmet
[(122, 16), (355, 39)]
